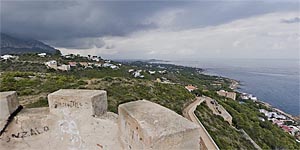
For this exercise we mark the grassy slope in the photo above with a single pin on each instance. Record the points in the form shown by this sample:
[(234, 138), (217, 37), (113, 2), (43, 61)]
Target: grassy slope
[(223, 134), (245, 116)]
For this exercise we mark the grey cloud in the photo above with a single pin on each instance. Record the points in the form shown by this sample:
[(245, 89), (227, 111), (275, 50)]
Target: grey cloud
[(292, 20), (75, 24), (78, 43), (74, 19), (212, 13)]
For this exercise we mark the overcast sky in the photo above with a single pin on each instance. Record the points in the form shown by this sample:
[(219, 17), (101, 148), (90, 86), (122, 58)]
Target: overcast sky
[(160, 29)]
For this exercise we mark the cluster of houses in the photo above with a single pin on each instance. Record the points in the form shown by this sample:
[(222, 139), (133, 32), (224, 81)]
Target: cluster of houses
[(282, 121), (247, 96), (138, 73), (66, 67), (54, 65)]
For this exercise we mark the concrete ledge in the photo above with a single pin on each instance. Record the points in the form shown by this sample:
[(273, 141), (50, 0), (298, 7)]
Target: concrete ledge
[(89, 102), (147, 125), (8, 104)]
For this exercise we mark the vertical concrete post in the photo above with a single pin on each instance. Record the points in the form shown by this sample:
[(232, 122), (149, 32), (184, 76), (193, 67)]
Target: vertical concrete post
[(8, 104), (88, 102)]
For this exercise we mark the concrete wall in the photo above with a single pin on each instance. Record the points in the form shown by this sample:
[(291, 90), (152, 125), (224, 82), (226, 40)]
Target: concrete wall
[(71, 123), (8, 104), (84, 102), (77, 120), (134, 134), (131, 136)]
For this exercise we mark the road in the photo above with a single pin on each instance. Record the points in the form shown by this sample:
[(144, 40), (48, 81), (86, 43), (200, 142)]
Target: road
[(205, 139)]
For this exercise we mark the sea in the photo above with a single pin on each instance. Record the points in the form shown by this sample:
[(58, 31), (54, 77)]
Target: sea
[(275, 81)]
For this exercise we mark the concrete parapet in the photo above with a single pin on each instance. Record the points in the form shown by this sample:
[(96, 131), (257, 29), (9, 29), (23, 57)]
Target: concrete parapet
[(146, 125), (88, 102), (8, 104)]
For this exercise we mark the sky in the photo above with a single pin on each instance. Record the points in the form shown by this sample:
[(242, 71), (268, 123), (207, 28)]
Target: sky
[(169, 30)]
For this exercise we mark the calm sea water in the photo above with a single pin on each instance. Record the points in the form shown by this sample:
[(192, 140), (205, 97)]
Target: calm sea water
[(275, 81)]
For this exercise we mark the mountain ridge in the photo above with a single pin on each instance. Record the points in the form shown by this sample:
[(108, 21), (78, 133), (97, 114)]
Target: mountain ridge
[(16, 45)]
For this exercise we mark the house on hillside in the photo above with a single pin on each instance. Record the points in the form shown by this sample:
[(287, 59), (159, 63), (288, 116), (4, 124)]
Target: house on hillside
[(64, 67), (72, 64), (6, 57), (152, 72), (42, 54), (95, 58), (231, 95), (84, 64), (191, 88), (51, 64), (162, 72), (130, 70)]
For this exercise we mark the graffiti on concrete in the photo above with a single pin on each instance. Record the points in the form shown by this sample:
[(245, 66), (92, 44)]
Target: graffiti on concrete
[(30, 132), (26, 133), (67, 104)]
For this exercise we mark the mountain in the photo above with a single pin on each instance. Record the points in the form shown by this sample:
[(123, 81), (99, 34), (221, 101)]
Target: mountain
[(15, 45)]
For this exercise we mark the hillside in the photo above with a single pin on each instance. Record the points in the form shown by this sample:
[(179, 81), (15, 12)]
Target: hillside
[(33, 81), (15, 45)]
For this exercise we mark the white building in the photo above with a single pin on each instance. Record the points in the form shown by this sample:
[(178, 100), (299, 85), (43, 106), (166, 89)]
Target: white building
[(137, 74), (52, 64), (95, 58), (162, 72), (5, 57), (114, 67), (64, 67), (272, 114), (151, 72), (107, 65), (42, 54)]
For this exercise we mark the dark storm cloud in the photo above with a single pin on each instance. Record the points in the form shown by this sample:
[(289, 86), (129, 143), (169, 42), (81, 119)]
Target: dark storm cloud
[(74, 19), (79, 43), (70, 23)]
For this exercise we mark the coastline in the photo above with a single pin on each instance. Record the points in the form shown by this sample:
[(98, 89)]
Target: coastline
[(234, 86)]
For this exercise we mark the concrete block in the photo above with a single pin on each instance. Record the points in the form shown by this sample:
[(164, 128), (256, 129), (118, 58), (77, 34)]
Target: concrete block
[(8, 104), (78, 101), (147, 125)]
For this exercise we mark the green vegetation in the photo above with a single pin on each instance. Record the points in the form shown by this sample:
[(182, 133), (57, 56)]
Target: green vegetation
[(42, 102), (264, 133), (225, 136), (121, 90), (29, 83)]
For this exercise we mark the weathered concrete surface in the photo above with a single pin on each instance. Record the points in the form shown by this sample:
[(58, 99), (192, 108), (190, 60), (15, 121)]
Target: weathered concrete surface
[(8, 104), (64, 128), (84, 102), (77, 120), (146, 125)]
